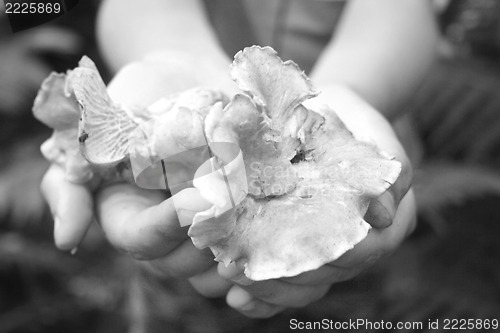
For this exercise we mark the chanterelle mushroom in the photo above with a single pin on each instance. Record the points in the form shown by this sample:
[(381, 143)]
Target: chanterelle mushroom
[(306, 182)]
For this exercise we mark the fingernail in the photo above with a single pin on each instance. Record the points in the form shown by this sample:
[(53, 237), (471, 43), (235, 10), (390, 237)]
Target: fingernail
[(387, 208), (248, 307), (381, 212), (384, 214)]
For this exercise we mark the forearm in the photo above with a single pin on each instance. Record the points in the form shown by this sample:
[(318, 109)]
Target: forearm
[(129, 30), (382, 50)]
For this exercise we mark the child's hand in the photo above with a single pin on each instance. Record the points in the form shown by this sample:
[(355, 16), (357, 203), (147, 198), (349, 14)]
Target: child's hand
[(141, 223), (138, 222), (392, 217), (266, 298), (145, 225)]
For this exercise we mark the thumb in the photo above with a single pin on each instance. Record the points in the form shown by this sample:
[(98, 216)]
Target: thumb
[(141, 222)]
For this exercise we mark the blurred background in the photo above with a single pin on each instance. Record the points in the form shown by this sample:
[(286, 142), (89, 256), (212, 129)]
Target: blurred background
[(448, 268)]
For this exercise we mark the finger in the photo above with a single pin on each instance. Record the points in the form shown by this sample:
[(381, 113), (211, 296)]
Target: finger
[(142, 223), (210, 284), (277, 292), (381, 210), (184, 261), (281, 293), (367, 124), (71, 206), (383, 241), (242, 301), (326, 275)]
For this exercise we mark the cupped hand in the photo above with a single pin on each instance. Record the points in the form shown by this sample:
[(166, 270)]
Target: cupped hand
[(392, 217), (144, 224), (141, 223)]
